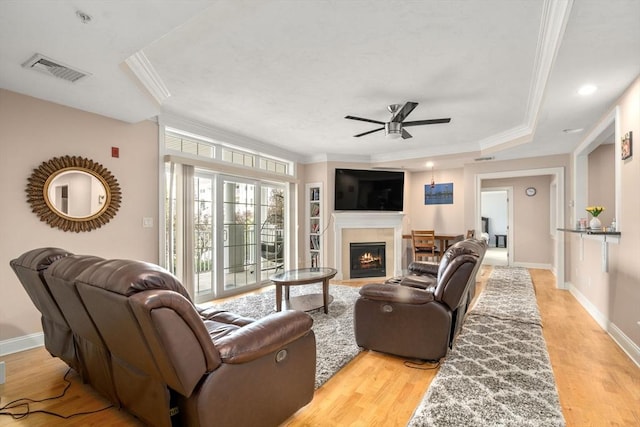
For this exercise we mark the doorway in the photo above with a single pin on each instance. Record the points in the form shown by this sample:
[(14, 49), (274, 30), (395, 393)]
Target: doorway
[(496, 212), (557, 182)]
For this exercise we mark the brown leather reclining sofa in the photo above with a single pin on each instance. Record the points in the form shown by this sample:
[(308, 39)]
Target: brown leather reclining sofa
[(130, 329), (419, 315)]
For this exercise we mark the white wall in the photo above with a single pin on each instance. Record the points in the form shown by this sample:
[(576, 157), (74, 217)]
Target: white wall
[(494, 207)]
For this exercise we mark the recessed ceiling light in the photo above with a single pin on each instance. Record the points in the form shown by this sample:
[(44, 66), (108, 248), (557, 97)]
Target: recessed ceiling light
[(572, 130), (587, 90), (429, 164)]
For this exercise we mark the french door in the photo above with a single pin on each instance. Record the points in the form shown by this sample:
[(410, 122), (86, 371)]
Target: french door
[(238, 234)]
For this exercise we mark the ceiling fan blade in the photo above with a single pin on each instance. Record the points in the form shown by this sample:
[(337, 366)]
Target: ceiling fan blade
[(426, 122), (406, 135), (363, 120), (367, 133), (402, 113)]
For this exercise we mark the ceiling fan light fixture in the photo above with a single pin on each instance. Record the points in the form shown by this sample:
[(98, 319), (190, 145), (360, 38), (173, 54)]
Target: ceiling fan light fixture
[(393, 130), (395, 127)]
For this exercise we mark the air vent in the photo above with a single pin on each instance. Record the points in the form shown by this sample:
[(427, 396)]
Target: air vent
[(483, 159), (55, 68)]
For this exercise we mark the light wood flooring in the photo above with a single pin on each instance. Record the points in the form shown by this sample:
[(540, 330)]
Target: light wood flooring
[(597, 383)]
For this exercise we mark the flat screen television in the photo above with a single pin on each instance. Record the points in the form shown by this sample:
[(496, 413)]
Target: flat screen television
[(369, 190)]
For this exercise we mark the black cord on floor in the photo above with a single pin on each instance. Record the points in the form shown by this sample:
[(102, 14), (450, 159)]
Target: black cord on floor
[(419, 364), (23, 403)]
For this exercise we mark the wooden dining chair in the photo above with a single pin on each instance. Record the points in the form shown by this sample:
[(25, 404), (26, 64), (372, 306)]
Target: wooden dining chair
[(424, 245)]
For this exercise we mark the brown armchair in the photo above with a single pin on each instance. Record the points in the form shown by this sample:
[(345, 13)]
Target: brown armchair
[(424, 274), (95, 365), (222, 369), (417, 321), (30, 268)]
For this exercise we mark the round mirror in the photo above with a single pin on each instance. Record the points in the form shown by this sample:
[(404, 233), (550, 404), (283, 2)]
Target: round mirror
[(73, 193)]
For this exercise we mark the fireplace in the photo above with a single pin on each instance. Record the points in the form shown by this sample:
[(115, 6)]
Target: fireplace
[(367, 259), (361, 226)]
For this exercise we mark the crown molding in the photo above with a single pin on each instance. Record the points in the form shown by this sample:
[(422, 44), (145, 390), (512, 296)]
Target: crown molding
[(555, 15), (142, 68)]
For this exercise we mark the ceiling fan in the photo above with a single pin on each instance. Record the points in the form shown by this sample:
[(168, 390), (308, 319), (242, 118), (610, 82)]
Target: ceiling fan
[(394, 128)]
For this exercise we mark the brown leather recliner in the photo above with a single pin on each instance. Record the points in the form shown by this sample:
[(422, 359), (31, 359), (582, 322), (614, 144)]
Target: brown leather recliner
[(218, 370), (413, 318), (424, 275), (58, 337), (93, 354)]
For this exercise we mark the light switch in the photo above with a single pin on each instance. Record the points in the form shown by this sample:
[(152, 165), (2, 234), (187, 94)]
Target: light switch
[(147, 222)]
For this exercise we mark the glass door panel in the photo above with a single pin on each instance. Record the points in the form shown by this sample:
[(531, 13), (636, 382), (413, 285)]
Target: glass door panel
[(272, 238), (203, 237), (239, 242)]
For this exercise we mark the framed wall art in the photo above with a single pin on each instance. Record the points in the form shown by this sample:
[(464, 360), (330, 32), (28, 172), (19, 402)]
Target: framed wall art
[(626, 146), (438, 194)]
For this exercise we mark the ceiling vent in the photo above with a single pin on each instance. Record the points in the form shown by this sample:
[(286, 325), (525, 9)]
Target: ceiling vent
[(55, 68), (483, 159)]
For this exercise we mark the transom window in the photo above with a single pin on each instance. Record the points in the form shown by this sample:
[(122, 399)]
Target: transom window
[(207, 148)]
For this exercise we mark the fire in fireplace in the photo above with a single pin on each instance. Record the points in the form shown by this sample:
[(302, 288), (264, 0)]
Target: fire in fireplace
[(367, 259)]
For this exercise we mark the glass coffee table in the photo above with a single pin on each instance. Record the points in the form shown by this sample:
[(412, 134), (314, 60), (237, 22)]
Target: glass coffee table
[(303, 276)]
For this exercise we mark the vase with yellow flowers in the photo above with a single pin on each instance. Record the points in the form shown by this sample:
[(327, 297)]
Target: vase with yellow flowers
[(595, 223)]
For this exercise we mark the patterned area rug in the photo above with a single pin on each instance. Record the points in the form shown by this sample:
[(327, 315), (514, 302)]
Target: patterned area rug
[(498, 373), (335, 339)]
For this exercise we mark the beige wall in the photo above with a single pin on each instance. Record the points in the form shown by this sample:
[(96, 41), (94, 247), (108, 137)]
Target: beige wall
[(33, 131), (441, 218), (531, 238), (613, 297)]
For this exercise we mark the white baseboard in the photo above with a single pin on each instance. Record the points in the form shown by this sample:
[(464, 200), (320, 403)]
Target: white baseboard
[(22, 343), (623, 341), (600, 318), (628, 346)]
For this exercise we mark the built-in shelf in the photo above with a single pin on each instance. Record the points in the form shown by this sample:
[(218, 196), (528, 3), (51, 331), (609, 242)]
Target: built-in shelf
[(315, 227), (605, 237)]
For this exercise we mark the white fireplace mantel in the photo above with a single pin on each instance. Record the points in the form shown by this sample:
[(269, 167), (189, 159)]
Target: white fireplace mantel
[(347, 220)]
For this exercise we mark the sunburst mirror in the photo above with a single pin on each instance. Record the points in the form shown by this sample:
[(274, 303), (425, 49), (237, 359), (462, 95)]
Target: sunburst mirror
[(73, 193)]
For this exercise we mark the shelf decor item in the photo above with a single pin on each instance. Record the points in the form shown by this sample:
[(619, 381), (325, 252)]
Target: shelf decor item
[(595, 223)]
